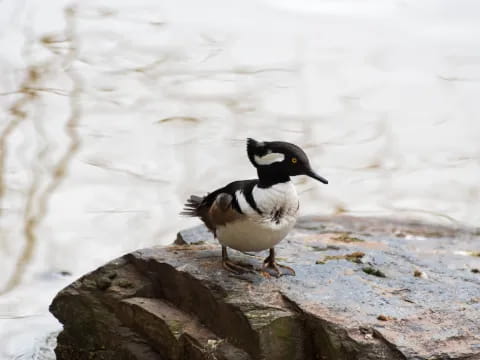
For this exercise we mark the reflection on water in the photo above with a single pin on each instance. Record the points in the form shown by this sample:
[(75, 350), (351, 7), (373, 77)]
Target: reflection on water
[(115, 112)]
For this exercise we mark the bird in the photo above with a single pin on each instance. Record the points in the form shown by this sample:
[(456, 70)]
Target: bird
[(255, 215)]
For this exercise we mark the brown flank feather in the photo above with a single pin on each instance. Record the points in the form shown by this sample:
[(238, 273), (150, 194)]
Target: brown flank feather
[(217, 213)]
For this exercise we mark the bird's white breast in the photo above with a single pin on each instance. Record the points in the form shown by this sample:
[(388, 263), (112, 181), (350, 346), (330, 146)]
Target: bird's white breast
[(255, 232)]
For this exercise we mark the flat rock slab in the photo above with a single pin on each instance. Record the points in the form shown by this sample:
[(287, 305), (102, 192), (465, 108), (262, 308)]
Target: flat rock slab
[(364, 288)]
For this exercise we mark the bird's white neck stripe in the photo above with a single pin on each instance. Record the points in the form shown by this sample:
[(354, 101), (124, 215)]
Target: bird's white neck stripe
[(243, 203)]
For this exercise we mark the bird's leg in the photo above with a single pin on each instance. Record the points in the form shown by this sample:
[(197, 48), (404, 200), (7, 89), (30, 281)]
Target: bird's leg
[(231, 266), (270, 263)]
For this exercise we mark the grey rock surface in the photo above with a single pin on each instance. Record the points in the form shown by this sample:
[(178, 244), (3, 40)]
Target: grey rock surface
[(365, 288)]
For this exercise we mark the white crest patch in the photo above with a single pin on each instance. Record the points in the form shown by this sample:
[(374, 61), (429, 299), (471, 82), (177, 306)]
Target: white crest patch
[(269, 158)]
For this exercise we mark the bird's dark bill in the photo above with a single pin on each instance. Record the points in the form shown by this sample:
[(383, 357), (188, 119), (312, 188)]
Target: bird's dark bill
[(314, 175)]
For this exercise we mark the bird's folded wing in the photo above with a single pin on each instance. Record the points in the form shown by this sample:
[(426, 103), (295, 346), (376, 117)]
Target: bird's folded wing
[(222, 212)]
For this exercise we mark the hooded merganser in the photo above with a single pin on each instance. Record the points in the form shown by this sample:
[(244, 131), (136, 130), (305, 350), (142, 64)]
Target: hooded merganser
[(255, 215)]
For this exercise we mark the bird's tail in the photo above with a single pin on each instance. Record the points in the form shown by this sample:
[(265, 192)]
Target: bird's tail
[(192, 206)]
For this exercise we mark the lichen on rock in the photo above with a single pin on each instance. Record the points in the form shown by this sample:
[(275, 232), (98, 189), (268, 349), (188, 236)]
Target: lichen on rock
[(177, 302)]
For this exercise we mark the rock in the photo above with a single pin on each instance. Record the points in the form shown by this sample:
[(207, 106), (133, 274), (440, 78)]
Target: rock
[(177, 302)]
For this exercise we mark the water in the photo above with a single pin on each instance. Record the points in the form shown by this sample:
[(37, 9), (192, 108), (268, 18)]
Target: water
[(114, 112)]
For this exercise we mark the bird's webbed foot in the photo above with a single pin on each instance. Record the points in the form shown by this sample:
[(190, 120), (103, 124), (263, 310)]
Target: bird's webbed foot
[(234, 267), (272, 268)]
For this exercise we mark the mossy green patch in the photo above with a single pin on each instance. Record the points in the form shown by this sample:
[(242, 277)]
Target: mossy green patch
[(372, 271), (176, 327), (282, 338), (346, 238), (355, 257)]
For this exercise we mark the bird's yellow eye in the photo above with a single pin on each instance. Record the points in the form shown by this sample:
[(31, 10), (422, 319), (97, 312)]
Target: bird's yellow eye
[(294, 160)]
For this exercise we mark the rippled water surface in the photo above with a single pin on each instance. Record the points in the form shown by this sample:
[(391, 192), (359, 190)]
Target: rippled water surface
[(113, 112)]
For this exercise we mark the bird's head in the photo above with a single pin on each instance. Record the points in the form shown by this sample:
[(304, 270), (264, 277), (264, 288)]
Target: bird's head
[(282, 159)]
